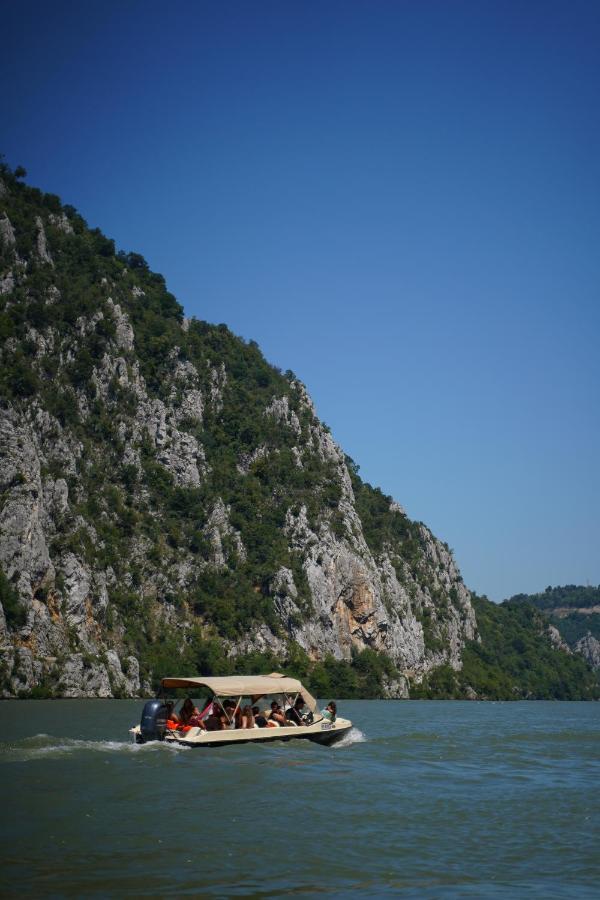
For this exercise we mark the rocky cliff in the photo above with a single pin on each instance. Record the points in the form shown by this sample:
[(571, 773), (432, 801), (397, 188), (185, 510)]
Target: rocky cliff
[(171, 502)]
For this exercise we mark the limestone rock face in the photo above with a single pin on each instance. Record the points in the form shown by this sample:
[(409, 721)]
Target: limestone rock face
[(61, 222), (589, 647), (218, 530), (359, 600), (7, 232), (79, 679), (42, 246), (247, 460), (7, 282), (556, 639), (279, 409), (124, 332), (124, 676), (23, 550)]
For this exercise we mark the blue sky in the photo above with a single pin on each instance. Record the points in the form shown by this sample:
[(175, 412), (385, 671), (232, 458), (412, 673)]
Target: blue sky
[(399, 201)]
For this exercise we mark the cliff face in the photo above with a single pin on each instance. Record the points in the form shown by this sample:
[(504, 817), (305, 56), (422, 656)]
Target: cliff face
[(169, 500)]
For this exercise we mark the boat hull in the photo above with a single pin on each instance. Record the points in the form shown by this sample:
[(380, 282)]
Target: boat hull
[(320, 732)]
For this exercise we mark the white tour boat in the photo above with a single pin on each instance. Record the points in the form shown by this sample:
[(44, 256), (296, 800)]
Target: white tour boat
[(228, 695)]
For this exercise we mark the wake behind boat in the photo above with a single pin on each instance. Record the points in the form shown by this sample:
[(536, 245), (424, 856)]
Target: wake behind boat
[(230, 714)]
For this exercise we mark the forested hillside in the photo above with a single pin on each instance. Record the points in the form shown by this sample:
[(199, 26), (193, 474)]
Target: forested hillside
[(516, 658), (574, 610), (171, 503)]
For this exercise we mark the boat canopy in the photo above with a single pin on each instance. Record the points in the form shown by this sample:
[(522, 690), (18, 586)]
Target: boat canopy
[(245, 686)]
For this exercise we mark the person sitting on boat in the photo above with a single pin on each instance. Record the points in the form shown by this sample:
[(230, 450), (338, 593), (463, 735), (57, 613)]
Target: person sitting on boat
[(330, 711), (259, 718), (216, 720), (187, 711), (276, 714), (190, 715), (294, 713), (233, 714), (247, 717), (185, 719)]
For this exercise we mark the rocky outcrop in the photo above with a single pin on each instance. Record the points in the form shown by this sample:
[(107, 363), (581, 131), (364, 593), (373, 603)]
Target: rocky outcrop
[(359, 601), (225, 541), (556, 639), (589, 647), (247, 460), (279, 409), (42, 245), (123, 330), (61, 222), (7, 232)]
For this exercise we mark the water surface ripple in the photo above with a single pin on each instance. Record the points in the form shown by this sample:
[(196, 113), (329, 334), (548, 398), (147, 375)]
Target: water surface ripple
[(424, 799)]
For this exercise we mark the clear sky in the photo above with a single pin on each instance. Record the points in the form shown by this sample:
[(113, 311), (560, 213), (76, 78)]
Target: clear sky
[(397, 200)]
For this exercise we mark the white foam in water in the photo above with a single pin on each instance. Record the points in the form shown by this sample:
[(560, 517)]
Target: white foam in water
[(51, 746), (45, 745), (354, 736)]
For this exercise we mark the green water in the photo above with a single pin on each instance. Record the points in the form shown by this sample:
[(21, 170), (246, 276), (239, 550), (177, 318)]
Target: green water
[(425, 800)]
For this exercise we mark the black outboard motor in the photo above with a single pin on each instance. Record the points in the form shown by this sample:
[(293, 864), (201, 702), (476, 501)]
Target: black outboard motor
[(154, 721)]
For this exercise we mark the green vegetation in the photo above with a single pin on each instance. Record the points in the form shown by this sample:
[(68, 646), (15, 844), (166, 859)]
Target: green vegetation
[(515, 660), (14, 611), (572, 600), (577, 625), (363, 676), (570, 596)]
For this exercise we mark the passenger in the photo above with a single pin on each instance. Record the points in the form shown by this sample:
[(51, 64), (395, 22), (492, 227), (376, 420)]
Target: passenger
[(276, 714), (259, 718), (233, 715), (193, 716), (247, 717), (189, 716), (294, 713), (187, 711), (330, 711), (216, 720)]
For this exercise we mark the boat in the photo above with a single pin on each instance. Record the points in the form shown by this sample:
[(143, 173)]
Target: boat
[(228, 694)]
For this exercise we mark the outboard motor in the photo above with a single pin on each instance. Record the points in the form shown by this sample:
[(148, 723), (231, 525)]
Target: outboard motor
[(154, 721)]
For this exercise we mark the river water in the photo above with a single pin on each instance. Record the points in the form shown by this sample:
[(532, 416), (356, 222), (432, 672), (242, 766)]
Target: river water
[(424, 799)]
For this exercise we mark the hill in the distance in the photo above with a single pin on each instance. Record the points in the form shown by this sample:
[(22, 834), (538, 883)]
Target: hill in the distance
[(574, 610)]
